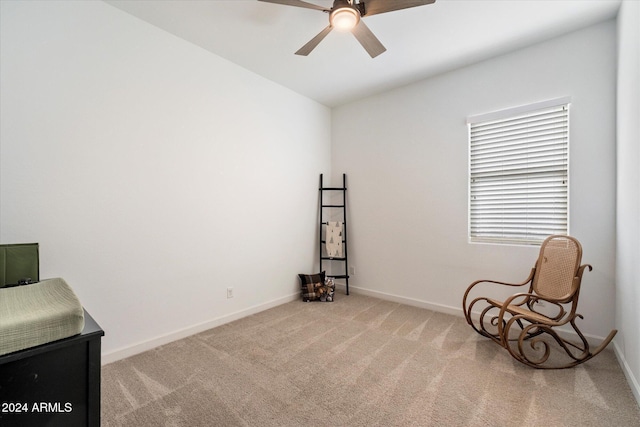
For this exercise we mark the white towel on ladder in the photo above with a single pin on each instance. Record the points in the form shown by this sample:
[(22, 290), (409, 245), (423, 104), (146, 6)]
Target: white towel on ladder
[(333, 239)]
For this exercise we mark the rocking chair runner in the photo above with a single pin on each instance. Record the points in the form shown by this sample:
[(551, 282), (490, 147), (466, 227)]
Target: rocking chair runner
[(554, 283)]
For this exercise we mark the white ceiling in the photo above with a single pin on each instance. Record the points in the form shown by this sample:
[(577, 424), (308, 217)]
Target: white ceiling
[(421, 41)]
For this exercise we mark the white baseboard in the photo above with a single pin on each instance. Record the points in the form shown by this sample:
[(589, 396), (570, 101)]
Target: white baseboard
[(128, 351), (441, 308), (631, 379)]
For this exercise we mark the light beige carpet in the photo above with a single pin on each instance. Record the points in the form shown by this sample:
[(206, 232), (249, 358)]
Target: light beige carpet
[(357, 361)]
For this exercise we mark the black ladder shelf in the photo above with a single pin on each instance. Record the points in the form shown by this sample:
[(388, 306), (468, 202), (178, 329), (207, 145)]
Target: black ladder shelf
[(334, 207)]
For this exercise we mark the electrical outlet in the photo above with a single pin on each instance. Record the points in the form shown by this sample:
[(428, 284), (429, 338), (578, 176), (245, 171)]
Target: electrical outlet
[(352, 271), (229, 292)]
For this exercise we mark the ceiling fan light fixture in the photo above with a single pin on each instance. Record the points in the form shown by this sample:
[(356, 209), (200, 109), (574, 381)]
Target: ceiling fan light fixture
[(344, 18)]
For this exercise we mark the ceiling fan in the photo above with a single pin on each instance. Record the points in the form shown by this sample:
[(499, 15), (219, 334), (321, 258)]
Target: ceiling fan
[(345, 15)]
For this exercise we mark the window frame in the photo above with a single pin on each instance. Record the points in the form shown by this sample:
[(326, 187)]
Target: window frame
[(504, 115)]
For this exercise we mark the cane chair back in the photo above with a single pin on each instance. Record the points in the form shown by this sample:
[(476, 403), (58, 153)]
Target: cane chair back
[(556, 268)]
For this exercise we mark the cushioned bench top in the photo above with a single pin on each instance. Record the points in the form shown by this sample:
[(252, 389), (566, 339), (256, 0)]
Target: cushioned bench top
[(39, 313)]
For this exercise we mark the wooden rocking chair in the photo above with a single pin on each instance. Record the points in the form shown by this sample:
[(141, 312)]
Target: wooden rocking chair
[(535, 316)]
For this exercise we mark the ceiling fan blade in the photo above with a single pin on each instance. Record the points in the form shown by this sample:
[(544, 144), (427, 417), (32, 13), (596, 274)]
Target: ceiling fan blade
[(297, 3), (307, 48), (368, 40), (374, 7)]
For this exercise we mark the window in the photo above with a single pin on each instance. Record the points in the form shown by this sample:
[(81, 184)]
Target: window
[(518, 183)]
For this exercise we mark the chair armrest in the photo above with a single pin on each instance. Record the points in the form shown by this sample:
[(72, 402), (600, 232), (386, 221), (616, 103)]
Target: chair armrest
[(527, 281), (467, 308)]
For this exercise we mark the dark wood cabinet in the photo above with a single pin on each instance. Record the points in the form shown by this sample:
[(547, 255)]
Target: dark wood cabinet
[(54, 384)]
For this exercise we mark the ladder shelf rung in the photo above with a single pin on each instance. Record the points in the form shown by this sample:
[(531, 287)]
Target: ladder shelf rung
[(333, 189), (334, 258), (333, 206)]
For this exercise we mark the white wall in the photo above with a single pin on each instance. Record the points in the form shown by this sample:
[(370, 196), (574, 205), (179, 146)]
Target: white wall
[(628, 200), (153, 174), (406, 155)]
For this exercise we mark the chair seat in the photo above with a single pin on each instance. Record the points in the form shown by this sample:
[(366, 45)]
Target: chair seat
[(531, 316)]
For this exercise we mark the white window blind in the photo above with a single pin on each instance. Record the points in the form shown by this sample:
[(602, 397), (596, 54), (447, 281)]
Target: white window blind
[(519, 175)]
